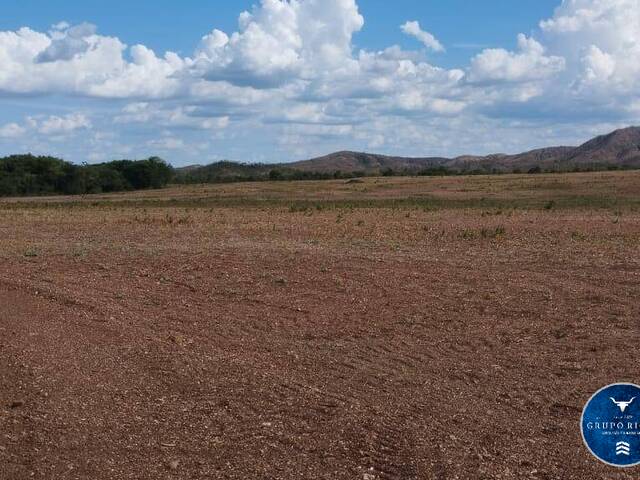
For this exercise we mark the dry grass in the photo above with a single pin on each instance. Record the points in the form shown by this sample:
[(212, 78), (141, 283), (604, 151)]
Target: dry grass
[(600, 189)]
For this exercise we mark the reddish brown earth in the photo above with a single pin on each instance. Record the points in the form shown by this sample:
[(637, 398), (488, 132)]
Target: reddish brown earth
[(159, 342)]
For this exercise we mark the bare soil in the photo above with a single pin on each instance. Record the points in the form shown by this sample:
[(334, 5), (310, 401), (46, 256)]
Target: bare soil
[(170, 335)]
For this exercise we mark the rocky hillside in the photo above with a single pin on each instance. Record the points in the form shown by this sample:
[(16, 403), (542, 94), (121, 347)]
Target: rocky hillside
[(620, 149)]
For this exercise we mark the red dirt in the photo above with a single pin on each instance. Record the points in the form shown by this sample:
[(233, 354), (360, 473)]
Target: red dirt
[(365, 344)]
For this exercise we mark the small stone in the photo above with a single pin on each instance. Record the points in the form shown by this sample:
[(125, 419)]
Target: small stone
[(173, 464)]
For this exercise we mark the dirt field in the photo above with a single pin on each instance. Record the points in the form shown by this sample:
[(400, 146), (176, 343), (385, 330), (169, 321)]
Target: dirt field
[(392, 329)]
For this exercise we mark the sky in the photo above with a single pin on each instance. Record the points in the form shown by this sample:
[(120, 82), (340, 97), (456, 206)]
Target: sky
[(280, 80)]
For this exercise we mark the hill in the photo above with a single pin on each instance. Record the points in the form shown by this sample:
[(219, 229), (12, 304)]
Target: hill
[(364, 162), (619, 149), (522, 161)]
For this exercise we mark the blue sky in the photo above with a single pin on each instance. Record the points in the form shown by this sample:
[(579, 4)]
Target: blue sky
[(91, 81), (171, 25)]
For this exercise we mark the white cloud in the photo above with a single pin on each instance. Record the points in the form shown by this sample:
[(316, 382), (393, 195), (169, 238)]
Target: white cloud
[(599, 38), (55, 125), (167, 143), (48, 126), (61, 26), (146, 76), (23, 73), (177, 117), (429, 41), (279, 42), (598, 65), (11, 130), (574, 16), (528, 64), (291, 74), (78, 61), (284, 51), (67, 42)]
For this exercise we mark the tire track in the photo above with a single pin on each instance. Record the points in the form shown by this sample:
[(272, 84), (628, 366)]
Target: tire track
[(391, 453)]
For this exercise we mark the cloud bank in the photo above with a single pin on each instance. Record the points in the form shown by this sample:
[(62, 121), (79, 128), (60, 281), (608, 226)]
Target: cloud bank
[(290, 77)]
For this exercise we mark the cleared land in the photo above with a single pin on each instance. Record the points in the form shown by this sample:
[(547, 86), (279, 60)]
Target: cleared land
[(397, 328)]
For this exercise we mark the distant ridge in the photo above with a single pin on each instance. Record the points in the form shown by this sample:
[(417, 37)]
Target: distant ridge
[(618, 149), (367, 162), (621, 148)]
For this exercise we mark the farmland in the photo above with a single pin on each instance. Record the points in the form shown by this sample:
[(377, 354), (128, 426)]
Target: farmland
[(385, 328)]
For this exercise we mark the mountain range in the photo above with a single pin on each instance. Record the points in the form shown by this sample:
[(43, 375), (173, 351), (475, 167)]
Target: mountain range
[(618, 149)]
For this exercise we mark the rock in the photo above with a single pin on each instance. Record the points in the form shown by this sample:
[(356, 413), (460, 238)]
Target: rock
[(173, 464), (16, 404)]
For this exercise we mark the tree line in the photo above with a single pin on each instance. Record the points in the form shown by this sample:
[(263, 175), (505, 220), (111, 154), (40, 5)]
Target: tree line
[(230, 172), (41, 175)]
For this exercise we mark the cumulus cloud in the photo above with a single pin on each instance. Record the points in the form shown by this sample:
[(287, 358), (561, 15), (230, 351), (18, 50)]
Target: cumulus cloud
[(167, 143), (36, 132), (574, 16), (11, 130), (278, 42), (61, 25), (599, 39), (429, 41), (291, 72), (529, 63), (598, 65), (283, 51), (56, 125), (67, 42), (146, 76), (78, 61), (175, 117)]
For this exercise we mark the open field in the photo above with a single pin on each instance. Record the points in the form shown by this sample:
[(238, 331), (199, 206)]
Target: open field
[(398, 328), (591, 190)]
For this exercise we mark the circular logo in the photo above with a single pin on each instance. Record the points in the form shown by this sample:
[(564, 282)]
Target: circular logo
[(610, 425)]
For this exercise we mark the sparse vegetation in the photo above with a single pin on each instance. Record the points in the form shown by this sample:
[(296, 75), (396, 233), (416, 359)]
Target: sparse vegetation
[(31, 252), (493, 195)]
